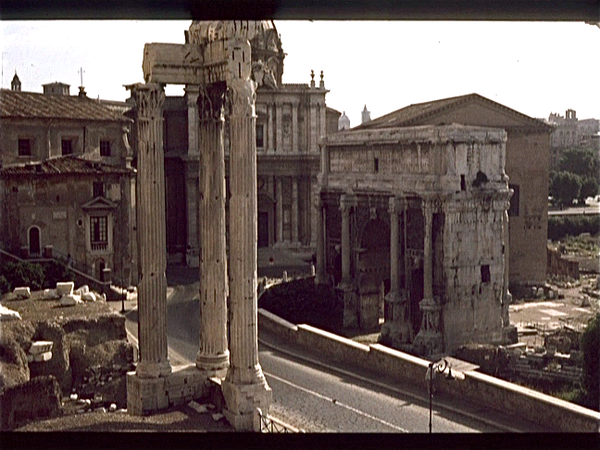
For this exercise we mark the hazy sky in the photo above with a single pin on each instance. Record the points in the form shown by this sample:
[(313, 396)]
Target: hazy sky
[(535, 68)]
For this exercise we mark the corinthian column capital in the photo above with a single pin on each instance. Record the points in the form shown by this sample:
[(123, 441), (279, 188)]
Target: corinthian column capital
[(240, 98), (149, 99), (211, 100)]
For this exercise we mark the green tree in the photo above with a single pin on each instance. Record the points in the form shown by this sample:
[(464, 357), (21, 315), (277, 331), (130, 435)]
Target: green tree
[(590, 346), (584, 162), (24, 274), (565, 187), (589, 188)]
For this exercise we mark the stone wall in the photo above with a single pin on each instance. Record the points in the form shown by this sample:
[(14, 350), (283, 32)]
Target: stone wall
[(557, 265)]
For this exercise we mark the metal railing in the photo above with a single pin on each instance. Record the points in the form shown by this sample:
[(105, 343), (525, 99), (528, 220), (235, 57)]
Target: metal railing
[(269, 424)]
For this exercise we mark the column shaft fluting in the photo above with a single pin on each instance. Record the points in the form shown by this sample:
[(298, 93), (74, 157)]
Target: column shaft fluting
[(394, 237), (213, 353), (243, 235), (152, 289), (427, 252), (320, 273)]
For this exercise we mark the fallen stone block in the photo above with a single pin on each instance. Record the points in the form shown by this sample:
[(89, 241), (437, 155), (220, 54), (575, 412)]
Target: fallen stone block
[(39, 347), (112, 407), (88, 297), (70, 300), (82, 290), (65, 287), (197, 407), (50, 294), (7, 314), (22, 292), (217, 416)]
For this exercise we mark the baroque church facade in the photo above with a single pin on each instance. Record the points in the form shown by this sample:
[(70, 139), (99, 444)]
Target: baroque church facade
[(291, 120)]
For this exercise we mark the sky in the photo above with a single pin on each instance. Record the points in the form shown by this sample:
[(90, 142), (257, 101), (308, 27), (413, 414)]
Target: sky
[(533, 67)]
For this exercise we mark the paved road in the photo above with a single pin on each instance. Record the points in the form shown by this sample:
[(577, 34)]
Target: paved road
[(311, 395)]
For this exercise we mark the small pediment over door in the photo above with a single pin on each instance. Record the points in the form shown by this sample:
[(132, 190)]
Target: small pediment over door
[(98, 204)]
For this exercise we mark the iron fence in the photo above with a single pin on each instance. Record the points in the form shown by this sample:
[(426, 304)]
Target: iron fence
[(269, 424)]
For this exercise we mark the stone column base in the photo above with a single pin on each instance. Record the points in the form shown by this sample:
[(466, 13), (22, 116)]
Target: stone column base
[(242, 401), (213, 365), (350, 319), (149, 395)]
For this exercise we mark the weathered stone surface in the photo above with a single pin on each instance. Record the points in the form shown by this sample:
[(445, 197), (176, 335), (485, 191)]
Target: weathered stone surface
[(70, 300), (7, 314), (37, 398), (65, 288), (22, 292)]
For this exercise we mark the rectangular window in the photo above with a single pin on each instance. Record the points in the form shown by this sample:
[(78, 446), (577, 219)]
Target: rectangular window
[(513, 210), (485, 273), (104, 148), (260, 136), (67, 147), (99, 232), (24, 147), (98, 189)]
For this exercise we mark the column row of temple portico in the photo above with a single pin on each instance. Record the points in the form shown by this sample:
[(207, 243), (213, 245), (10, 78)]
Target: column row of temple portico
[(152, 289), (350, 319), (245, 388), (293, 238), (191, 94), (320, 277), (213, 353)]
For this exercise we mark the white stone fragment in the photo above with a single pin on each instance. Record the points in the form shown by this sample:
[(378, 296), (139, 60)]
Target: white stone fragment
[(42, 357), (217, 416), (73, 397), (7, 314), (197, 407), (70, 300), (65, 287), (50, 294), (22, 292), (82, 290), (39, 347), (88, 297), (112, 407)]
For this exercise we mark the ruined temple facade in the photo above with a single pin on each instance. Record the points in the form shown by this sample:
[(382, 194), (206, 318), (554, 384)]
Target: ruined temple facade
[(290, 121), (413, 223)]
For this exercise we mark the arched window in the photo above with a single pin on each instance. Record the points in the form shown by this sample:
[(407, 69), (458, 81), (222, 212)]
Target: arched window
[(35, 247)]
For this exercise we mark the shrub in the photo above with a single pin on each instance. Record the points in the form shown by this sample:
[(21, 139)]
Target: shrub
[(55, 272), (562, 226), (24, 274), (590, 346), (4, 285)]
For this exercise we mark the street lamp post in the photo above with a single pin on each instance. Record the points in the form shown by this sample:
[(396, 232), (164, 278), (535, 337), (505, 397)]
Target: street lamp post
[(443, 367)]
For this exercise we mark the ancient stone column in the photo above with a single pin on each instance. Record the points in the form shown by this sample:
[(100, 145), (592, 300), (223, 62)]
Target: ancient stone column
[(320, 277), (245, 388), (151, 233), (350, 319), (395, 330), (294, 210), (429, 339), (191, 94), (313, 127), (506, 295), (213, 354)]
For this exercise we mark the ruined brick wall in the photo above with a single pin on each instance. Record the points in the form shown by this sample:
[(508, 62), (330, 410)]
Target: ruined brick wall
[(557, 265)]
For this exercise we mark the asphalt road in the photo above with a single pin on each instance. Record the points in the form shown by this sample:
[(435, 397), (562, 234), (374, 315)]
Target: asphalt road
[(311, 395)]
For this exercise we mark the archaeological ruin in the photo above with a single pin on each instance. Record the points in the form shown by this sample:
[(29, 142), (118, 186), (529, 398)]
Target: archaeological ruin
[(216, 63), (413, 221)]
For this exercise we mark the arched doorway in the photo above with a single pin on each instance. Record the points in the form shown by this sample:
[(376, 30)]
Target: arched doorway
[(373, 271), (99, 266), (34, 242)]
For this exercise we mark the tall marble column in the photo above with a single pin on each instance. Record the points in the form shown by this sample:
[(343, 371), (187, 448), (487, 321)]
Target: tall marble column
[(213, 354), (245, 388), (191, 94), (395, 330), (294, 210), (320, 277), (429, 339), (350, 319), (151, 233)]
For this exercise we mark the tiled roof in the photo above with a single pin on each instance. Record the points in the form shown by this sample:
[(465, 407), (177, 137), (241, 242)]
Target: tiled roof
[(415, 113), (61, 165), (34, 105)]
